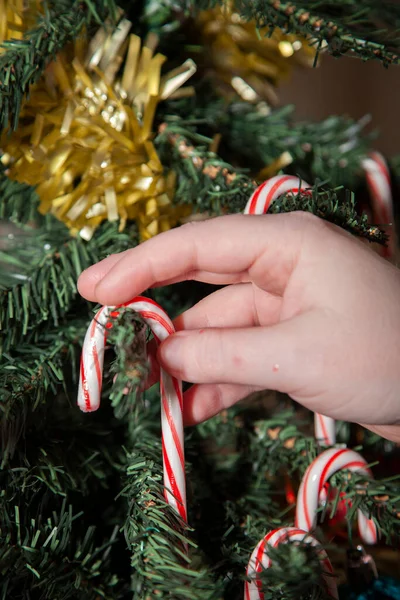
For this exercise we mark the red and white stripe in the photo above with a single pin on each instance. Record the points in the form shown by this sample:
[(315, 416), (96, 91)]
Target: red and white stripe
[(325, 430), (90, 383), (325, 434), (317, 474), (259, 204), (260, 560), (262, 198), (378, 181), (92, 360)]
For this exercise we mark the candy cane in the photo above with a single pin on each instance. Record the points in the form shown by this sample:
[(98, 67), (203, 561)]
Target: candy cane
[(258, 204), (325, 430), (260, 560), (325, 434), (317, 474), (263, 197), (378, 181), (90, 383)]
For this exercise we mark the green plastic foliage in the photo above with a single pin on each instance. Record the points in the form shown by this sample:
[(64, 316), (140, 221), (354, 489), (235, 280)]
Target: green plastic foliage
[(367, 30), (41, 263)]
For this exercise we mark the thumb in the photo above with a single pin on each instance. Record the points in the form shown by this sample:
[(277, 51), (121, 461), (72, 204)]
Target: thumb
[(280, 357)]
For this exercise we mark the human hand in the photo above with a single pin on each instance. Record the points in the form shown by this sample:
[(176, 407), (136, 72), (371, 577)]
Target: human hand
[(308, 310)]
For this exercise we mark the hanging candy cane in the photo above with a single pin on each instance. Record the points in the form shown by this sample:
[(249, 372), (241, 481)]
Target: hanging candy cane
[(325, 434), (260, 560), (258, 204), (262, 198), (91, 375), (317, 474), (325, 430), (378, 181)]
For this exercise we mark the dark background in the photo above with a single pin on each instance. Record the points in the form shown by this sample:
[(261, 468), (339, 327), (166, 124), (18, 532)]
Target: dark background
[(347, 86)]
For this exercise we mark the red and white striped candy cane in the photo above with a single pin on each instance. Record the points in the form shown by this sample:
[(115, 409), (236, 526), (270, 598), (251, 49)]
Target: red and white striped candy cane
[(317, 474), (91, 375), (260, 560), (378, 181), (325, 434), (262, 198), (258, 204), (325, 430)]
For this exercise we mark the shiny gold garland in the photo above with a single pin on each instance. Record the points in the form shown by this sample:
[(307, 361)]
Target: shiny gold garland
[(85, 135), (16, 16), (247, 61)]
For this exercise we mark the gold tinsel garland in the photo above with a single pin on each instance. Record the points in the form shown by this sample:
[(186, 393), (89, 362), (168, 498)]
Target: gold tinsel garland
[(247, 61), (85, 135), (16, 16)]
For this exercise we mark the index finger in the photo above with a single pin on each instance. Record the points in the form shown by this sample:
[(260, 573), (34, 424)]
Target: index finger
[(231, 246)]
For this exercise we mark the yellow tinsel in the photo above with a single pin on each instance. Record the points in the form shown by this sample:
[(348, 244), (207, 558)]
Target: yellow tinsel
[(85, 136), (16, 16), (246, 61)]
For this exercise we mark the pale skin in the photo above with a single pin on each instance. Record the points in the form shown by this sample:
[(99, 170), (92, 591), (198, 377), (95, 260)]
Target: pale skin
[(308, 310)]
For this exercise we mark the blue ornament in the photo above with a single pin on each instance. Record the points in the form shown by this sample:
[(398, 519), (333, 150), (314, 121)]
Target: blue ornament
[(383, 588), (364, 583)]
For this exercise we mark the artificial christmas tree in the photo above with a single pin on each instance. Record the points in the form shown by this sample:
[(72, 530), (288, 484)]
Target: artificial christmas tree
[(119, 123)]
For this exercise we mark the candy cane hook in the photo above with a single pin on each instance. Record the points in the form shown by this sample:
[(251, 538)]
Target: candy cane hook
[(91, 375), (260, 560), (325, 430), (317, 474), (379, 186)]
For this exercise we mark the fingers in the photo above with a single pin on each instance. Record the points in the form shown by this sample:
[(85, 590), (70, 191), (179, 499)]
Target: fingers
[(207, 277), (232, 306), (232, 245), (201, 402), (90, 278), (284, 357), (389, 432)]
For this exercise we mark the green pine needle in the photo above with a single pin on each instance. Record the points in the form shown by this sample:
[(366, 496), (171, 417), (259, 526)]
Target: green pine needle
[(282, 580), (332, 206), (40, 265), (156, 536), (366, 32)]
